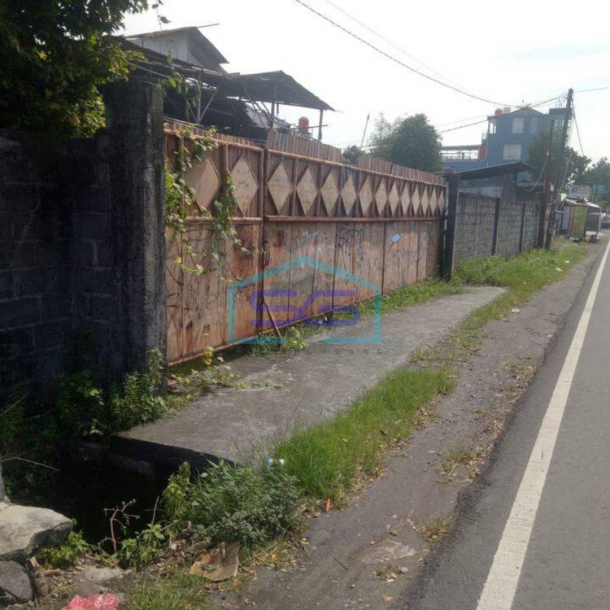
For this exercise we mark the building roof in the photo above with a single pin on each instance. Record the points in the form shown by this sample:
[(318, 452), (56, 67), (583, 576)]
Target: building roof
[(268, 87), (523, 110), (271, 87), (493, 172), (194, 35)]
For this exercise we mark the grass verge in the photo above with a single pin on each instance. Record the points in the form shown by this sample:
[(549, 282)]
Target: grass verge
[(327, 459)]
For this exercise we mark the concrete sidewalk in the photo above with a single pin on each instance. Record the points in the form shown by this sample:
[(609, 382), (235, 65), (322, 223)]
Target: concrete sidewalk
[(316, 384)]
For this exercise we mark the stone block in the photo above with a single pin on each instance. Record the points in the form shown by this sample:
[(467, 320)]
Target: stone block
[(24, 530), (15, 584)]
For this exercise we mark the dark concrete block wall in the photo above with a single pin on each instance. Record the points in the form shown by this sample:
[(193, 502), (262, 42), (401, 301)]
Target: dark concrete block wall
[(489, 225), (81, 247)]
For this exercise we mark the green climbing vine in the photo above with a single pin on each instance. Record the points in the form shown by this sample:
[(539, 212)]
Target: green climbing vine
[(180, 200)]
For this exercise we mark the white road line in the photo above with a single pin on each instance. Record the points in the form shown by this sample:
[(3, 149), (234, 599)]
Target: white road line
[(501, 585)]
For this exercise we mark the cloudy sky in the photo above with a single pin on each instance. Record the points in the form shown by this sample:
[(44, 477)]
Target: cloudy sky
[(523, 51)]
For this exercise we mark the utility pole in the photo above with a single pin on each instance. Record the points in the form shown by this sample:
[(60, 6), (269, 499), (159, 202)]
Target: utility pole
[(564, 140), (558, 182), (547, 189)]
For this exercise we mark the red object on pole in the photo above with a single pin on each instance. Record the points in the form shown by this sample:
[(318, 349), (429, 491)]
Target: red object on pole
[(304, 124)]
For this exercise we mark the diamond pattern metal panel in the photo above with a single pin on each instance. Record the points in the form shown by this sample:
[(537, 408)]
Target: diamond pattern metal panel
[(394, 198), (245, 183), (307, 190), (280, 187), (330, 193), (416, 200), (204, 180), (433, 202), (349, 195), (425, 201), (441, 202), (381, 196), (366, 196)]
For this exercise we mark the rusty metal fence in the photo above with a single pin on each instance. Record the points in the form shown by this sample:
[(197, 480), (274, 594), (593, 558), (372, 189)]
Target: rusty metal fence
[(378, 221)]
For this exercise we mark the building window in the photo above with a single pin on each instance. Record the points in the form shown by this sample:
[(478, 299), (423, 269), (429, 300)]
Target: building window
[(518, 125), (512, 152), (534, 126)]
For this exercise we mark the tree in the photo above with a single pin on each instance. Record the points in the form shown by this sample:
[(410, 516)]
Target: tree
[(598, 178), (351, 155), (54, 57), (411, 141), (570, 167)]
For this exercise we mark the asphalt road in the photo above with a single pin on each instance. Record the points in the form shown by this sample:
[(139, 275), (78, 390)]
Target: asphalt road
[(534, 533)]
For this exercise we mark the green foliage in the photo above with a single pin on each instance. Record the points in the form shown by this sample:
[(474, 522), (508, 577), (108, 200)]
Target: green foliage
[(79, 406), (326, 459), (411, 295), (67, 555), (228, 503), (145, 548), (598, 175), (568, 167), (351, 155), (54, 57), (139, 399), (175, 591), (524, 274), (82, 408), (411, 142), (180, 200)]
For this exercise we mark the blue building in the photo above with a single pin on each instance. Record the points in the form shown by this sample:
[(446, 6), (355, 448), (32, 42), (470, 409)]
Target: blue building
[(508, 138)]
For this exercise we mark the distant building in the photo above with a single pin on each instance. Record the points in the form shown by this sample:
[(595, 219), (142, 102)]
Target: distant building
[(241, 105), (185, 44), (508, 138)]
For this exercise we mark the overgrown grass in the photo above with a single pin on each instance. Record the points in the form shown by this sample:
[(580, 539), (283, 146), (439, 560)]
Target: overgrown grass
[(175, 591), (411, 295), (249, 505), (327, 458)]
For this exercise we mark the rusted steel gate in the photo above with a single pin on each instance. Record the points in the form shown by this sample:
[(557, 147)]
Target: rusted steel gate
[(378, 221)]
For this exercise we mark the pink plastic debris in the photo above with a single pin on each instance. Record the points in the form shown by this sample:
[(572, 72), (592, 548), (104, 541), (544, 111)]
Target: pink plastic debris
[(95, 602)]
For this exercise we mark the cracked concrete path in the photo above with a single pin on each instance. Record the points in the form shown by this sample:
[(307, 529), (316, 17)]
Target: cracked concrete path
[(316, 384)]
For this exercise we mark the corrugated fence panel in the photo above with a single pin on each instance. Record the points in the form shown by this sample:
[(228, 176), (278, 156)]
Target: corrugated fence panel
[(378, 222)]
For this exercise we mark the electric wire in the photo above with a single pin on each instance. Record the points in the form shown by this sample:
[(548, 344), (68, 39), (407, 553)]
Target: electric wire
[(393, 45), (398, 61), (582, 150)]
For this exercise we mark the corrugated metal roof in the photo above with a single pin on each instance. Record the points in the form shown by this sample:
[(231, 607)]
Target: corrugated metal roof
[(193, 33), (270, 87)]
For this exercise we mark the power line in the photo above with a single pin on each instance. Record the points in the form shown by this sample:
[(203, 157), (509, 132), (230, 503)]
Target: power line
[(382, 37), (582, 150), (536, 105), (398, 61), (592, 90)]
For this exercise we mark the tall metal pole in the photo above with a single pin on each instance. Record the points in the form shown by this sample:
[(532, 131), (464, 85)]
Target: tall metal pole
[(547, 189), (320, 125), (558, 185), (564, 141)]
